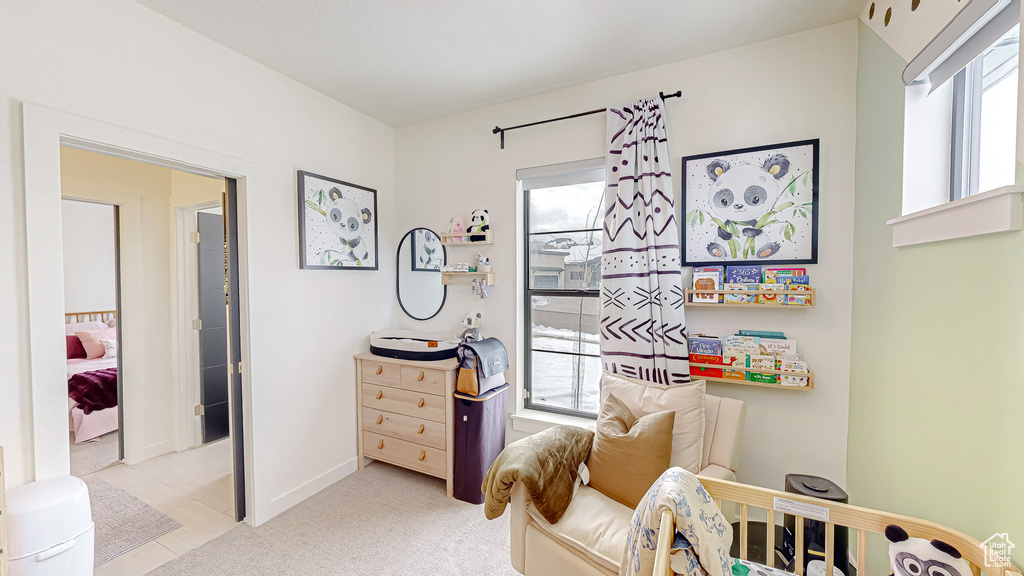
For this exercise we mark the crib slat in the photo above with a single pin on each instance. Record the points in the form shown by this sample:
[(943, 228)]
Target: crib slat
[(743, 532), (718, 502), (800, 546), (666, 534), (862, 551), (769, 554), (830, 555), (975, 569)]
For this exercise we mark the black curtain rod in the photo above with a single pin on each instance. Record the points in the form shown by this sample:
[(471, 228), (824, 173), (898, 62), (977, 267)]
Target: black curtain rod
[(500, 130)]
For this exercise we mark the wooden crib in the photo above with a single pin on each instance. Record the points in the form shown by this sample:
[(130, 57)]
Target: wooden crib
[(859, 520)]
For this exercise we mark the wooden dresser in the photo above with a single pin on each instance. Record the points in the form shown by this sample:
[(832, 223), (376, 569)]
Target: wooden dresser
[(405, 412)]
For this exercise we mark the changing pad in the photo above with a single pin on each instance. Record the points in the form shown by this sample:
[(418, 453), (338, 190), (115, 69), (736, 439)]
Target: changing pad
[(414, 345)]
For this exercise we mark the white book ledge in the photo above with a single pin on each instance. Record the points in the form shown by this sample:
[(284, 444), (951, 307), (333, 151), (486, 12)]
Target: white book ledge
[(997, 210)]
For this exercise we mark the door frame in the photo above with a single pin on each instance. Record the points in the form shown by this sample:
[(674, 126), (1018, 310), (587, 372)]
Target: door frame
[(45, 131), (186, 309)]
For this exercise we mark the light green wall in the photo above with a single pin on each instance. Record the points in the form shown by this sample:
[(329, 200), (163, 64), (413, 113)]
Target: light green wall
[(937, 379)]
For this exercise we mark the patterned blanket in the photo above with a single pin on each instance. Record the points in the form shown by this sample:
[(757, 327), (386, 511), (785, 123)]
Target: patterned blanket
[(702, 534)]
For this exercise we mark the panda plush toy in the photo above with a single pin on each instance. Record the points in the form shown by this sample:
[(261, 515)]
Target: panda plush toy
[(471, 327), (919, 557), (740, 194), (348, 221), (478, 224)]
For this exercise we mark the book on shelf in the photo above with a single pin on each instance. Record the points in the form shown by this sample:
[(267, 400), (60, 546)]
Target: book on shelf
[(708, 278), (770, 274), (705, 359), (708, 345), (769, 298), (763, 334), (777, 346), (743, 274)]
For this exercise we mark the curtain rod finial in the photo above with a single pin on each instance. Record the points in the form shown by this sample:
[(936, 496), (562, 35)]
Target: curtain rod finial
[(496, 130)]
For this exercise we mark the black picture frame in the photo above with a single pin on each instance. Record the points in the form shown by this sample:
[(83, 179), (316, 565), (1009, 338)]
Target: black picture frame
[(342, 256), (796, 234)]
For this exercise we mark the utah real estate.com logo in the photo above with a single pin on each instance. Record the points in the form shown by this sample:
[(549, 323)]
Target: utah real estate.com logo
[(997, 550)]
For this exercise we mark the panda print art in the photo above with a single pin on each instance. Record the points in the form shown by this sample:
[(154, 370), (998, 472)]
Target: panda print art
[(339, 224), (751, 206)]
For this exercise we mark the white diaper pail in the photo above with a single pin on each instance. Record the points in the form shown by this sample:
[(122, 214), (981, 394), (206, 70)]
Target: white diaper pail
[(50, 529)]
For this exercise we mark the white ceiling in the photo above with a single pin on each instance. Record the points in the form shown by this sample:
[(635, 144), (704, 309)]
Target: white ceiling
[(405, 61)]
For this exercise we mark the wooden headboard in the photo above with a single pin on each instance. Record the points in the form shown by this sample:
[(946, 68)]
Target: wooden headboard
[(100, 315)]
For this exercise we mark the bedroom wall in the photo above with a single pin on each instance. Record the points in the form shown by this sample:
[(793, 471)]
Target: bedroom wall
[(120, 63), (936, 380), (791, 88), (89, 275)]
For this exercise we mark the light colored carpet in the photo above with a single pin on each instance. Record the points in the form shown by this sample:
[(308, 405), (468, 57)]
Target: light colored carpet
[(383, 520), (93, 456), (123, 522)]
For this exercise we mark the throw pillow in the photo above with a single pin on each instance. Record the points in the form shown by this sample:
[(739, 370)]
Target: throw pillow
[(75, 348), (91, 341), (686, 400), (629, 453), (109, 348)]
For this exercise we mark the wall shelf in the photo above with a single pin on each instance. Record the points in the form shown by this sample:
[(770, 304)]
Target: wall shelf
[(463, 239), (466, 277), (811, 298), (809, 375)]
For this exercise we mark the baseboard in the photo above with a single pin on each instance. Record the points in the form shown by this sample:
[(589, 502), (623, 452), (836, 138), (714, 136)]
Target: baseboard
[(306, 489), (158, 449)]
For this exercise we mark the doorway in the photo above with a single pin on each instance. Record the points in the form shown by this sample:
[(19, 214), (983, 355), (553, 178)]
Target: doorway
[(44, 131)]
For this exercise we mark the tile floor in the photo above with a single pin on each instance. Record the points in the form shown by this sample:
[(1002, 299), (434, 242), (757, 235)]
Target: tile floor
[(193, 487)]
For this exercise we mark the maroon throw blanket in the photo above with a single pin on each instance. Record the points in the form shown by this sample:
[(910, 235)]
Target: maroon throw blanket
[(94, 390)]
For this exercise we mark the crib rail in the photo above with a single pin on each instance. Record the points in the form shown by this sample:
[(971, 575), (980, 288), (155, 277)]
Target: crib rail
[(99, 315), (859, 520)]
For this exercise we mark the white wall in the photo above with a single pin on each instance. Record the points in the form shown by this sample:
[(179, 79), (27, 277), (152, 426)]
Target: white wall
[(89, 275), (792, 88), (118, 62)]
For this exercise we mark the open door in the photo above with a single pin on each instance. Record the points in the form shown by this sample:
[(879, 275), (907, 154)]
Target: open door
[(234, 340), (213, 328)]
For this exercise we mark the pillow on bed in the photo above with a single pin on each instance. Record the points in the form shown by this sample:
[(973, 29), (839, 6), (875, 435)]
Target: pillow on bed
[(112, 322), (91, 341), (75, 348), (75, 327), (109, 348), (686, 400)]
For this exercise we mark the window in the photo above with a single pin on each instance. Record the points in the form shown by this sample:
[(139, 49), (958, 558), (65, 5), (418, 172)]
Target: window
[(562, 246), (984, 131)]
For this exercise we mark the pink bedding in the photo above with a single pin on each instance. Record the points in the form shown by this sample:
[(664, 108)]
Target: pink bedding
[(98, 423)]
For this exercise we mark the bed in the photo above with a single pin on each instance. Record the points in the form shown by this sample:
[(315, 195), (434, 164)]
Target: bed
[(97, 422), (860, 522)]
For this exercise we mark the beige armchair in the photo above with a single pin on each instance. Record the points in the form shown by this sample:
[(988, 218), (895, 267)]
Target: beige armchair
[(591, 535)]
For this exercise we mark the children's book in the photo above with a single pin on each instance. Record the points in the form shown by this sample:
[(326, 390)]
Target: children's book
[(798, 299), (763, 334), (737, 341), (776, 347), (709, 345), (736, 298), (770, 274), (708, 278), (743, 274), (770, 298), (705, 359), (794, 366)]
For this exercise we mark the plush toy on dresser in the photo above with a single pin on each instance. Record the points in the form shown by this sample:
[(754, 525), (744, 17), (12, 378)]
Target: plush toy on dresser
[(478, 225), (471, 327)]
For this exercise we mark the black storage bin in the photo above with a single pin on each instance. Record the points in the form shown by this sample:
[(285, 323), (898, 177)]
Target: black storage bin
[(814, 530), (479, 438)]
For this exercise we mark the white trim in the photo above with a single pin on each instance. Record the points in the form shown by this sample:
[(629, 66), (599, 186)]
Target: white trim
[(994, 211), (563, 174), (186, 308), (959, 31), (299, 493), (534, 421), (45, 130)]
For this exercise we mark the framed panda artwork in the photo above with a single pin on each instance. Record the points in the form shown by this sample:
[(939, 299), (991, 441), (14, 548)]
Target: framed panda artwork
[(427, 253), (337, 224), (751, 206)]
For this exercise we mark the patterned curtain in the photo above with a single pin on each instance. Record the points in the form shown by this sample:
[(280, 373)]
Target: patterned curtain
[(642, 325)]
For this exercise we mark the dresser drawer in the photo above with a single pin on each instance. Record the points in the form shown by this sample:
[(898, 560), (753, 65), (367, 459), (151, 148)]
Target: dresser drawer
[(414, 456), (423, 380), (385, 373), (407, 402), (415, 430)]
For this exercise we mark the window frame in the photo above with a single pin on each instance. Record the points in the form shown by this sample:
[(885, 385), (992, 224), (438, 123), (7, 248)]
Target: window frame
[(529, 293)]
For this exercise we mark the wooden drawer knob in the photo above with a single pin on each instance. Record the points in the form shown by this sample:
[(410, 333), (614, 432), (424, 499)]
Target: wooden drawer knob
[(380, 445), (422, 375), (422, 428), (380, 420), (380, 394), (421, 403), (379, 370), (423, 455)]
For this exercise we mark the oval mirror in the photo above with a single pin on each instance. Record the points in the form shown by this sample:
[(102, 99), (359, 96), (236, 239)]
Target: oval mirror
[(421, 257)]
